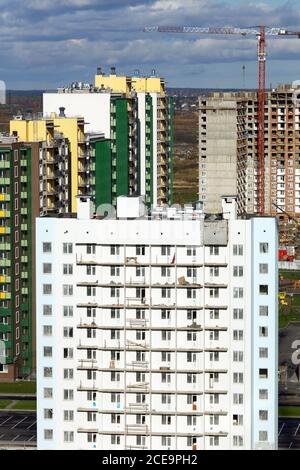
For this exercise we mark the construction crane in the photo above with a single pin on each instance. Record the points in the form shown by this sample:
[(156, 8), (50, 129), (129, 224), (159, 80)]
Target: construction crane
[(260, 32)]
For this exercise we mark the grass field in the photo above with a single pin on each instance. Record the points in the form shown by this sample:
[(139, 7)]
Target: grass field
[(4, 404), (291, 312), (293, 275), (24, 405), (18, 387), (289, 411)]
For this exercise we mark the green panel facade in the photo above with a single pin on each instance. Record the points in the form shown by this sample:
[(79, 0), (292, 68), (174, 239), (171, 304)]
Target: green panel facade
[(121, 147), (103, 172)]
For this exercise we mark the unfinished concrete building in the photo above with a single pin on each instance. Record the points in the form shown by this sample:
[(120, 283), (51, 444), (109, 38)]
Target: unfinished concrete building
[(228, 150)]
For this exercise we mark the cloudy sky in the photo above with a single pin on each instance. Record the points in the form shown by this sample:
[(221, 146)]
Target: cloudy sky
[(47, 43)]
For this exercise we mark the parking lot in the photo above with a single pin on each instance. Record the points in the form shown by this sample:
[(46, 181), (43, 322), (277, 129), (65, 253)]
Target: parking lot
[(18, 428)]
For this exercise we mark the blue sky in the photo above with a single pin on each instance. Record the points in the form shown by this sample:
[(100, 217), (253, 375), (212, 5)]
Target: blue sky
[(47, 43)]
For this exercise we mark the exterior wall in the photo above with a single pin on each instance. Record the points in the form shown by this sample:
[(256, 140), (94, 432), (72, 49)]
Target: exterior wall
[(133, 331), (86, 105)]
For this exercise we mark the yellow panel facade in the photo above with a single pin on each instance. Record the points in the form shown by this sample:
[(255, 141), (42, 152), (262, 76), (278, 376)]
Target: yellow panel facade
[(148, 85), (30, 130), (117, 84)]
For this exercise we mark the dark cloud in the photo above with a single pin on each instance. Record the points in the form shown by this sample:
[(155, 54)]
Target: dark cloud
[(50, 42)]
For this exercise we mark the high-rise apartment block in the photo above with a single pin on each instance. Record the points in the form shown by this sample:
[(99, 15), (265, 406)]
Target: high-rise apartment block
[(135, 116), (228, 150), (157, 332), (27, 188)]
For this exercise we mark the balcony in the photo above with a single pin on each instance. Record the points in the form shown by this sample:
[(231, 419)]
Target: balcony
[(4, 164)]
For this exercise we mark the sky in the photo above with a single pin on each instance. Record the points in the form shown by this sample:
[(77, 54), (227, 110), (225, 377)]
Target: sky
[(50, 43)]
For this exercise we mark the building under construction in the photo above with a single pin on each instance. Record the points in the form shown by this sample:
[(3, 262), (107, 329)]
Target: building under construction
[(228, 163)]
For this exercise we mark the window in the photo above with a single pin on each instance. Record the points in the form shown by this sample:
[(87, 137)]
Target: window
[(68, 332), (68, 269), (47, 330), (263, 331), (115, 271), (166, 420), (165, 356), (48, 392), (166, 399), (263, 289), (140, 250), (238, 441), (166, 441), (67, 248), (165, 271), (47, 351), (140, 335), (115, 313), (191, 378), (264, 247), (166, 335), (115, 419), (115, 439), (165, 314), (263, 268), (48, 413), (48, 434), (263, 373), (91, 333), (214, 440), (68, 394), (238, 335), (214, 292), (68, 415), (47, 247), (237, 420), (68, 374), (214, 335), (263, 394), (191, 251), (165, 250), (238, 271), (191, 420), (191, 336), (47, 310), (115, 397), (191, 399), (263, 310), (48, 372), (68, 311), (238, 398), (263, 435), (238, 314), (67, 289), (237, 250), (238, 378), (238, 292), (214, 420), (191, 315), (68, 436), (91, 437), (214, 314), (165, 293), (214, 250), (91, 270), (114, 292), (91, 249), (165, 378), (47, 289), (191, 272), (214, 271), (263, 415), (115, 376), (68, 353), (191, 293), (47, 268), (191, 357), (114, 249), (263, 353)]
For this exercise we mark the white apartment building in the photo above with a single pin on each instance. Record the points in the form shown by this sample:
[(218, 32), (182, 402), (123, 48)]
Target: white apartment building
[(156, 332)]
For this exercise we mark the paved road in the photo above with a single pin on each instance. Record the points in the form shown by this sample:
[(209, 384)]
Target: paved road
[(289, 433), (17, 427)]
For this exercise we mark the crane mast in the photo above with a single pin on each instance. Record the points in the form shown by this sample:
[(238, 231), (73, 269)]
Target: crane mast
[(261, 34)]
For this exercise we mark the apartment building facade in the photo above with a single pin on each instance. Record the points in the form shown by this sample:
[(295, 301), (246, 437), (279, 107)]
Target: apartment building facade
[(27, 190), (135, 115), (282, 150), (156, 332)]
